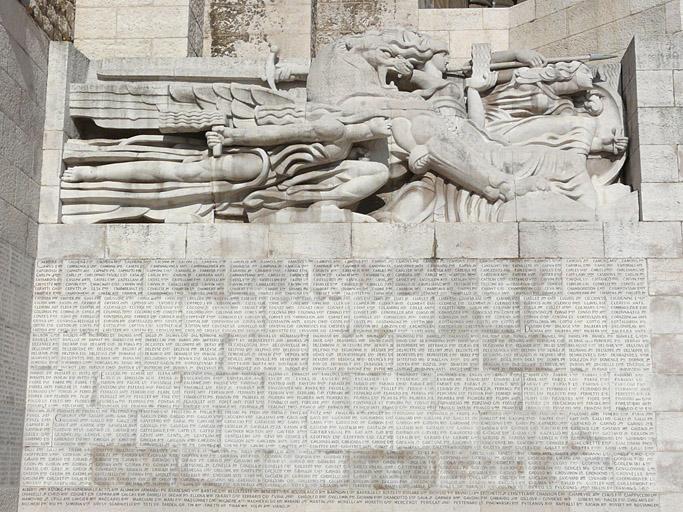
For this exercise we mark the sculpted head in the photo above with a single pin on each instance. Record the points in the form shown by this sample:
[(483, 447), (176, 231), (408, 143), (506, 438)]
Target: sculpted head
[(401, 44), (571, 77)]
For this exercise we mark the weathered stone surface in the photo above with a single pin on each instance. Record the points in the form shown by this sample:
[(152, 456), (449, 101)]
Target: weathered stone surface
[(658, 163), (662, 201), (62, 241), (667, 393), (309, 240), (655, 88), (667, 353), (55, 17), (666, 314), (643, 239), (146, 241), (392, 240), (132, 28), (670, 431), (561, 240), (665, 276), (477, 240), (670, 471), (245, 29), (227, 241)]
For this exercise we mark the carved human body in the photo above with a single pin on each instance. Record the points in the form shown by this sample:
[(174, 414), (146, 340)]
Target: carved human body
[(487, 141)]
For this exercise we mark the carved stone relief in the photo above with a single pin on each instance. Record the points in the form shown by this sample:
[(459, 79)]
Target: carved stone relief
[(387, 132)]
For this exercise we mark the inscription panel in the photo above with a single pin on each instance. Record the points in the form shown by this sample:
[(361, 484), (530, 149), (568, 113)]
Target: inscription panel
[(411, 381)]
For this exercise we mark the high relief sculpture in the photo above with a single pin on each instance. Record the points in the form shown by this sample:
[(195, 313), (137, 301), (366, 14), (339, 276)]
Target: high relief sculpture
[(387, 132)]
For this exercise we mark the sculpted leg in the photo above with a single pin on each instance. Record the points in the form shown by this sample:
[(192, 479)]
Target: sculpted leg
[(432, 146), (236, 167), (344, 185)]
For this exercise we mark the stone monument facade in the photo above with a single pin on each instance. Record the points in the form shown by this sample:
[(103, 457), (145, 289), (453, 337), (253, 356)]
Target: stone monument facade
[(417, 267)]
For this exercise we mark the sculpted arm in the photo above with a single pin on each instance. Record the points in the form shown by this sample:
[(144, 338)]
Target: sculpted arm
[(320, 131), (529, 57)]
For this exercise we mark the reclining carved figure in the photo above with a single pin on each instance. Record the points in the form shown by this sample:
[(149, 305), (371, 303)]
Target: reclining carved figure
[(454, 149)]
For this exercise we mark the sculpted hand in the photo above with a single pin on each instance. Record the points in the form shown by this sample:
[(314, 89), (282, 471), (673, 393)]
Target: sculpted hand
[(615, 144), (532, 184), (380, 126), (482, 83), (531, 58), (501, 188), (215, 138)]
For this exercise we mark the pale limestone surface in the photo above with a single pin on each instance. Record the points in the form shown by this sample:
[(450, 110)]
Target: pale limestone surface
[(131, 361), (270, 157), (23, 76), (139, 29), (387, 348)]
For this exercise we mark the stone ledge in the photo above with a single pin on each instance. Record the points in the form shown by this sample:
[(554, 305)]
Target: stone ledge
[(361, 241)]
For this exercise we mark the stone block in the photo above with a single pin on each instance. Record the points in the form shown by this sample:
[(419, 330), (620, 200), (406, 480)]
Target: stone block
[(667, 393), (678, 88), (655, 88), (104, 48), (57, 80), (670, 431), (617, 35), (658, 163), (540, 32), (152, 22), (546, 7), (661, 201), (561, 240), (522, 13), (392, 240), (52, 167), (665, 276), (643, 240), (624, 209), (659, 51), (499, 240), (95, 23), (670, 502), (674, 16), (461, 41), (243, 241), (169, 47), (496, 19), (450, 19), (61, 241), (642, 5), (670, 472), (667, 353), (14, 225), (540, 206), (49, 205), (666, 314), (146, 240), (586, 15), (27, 195), (309, 241)]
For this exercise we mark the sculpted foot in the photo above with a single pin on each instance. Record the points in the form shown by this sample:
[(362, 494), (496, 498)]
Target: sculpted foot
[(76, 174)]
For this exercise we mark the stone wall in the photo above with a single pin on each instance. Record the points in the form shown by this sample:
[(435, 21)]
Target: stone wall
[(585, 26), (246, 29), (131, 28), (23, 77), (332, 18), (471, 365), (653, 85), (463, 27), (55, 17)]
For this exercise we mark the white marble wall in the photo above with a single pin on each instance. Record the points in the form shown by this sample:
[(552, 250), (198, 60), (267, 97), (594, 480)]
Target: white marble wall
[(487, 364)]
